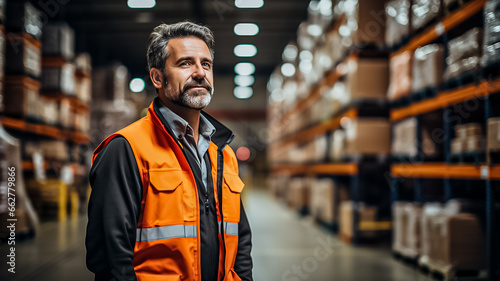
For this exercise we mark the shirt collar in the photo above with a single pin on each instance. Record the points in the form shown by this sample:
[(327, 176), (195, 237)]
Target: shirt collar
[(180, 126)]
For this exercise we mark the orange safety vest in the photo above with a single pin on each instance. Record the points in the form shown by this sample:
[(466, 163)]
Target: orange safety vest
[(168, 243)]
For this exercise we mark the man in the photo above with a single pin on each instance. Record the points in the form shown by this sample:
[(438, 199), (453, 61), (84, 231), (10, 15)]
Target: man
[(165, 201)]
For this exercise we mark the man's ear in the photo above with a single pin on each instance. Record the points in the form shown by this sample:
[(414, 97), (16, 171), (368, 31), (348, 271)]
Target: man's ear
[(156, 78)]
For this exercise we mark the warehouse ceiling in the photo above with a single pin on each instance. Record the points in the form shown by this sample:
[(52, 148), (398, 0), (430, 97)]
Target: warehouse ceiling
[(111, 31)]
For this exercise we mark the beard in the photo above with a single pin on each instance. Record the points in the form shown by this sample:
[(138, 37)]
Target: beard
[(194, 98)]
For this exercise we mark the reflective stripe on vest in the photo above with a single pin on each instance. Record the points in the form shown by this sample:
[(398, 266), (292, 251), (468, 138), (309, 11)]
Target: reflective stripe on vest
[(166, 232), (230, 228)]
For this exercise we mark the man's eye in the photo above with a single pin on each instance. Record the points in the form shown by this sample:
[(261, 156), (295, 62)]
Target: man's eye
[(207, 64), (184, 63)]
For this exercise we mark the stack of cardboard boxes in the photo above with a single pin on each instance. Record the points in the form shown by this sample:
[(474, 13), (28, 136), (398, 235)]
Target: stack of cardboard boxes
[(469, 137)]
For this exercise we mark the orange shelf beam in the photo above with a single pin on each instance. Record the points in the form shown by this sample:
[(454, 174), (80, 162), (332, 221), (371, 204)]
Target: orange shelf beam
[(495, 173), (446, 24), (45, 130), (436, 170), (447, 98), (334, 169)]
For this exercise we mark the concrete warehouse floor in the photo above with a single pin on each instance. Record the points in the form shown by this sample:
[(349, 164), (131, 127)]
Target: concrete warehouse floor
[(286, 247)]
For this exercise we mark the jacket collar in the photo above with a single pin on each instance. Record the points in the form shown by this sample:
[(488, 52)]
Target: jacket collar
[(222, 137)]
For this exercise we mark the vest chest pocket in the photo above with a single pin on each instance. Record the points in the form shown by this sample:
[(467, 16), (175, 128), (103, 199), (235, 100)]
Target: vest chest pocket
[(231, 197), (165, 201)]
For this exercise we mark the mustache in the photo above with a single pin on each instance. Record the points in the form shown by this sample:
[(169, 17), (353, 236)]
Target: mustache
[(202, 83)]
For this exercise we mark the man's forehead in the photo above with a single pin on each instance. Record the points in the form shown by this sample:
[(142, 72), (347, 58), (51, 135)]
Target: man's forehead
[(182, 46)]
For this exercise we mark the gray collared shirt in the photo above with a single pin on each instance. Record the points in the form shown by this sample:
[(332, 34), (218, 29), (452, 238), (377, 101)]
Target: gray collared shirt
[(184, 133)]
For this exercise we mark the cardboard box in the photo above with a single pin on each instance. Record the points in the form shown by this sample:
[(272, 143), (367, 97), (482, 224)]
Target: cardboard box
[(21, 100), (491, 52), (49, 112), (494, 134), (83, 90), (464, 53), (458, 145), (407, 228), (367, 79), (428, 67), (405, 138), (347, 209), (22, 57), (83, 63), (475, 144), (468, 130), (368, 136), (370, 22), (338, 145), (59, 79), (110, 83), (398, 21), (400, 76), (298, 193), (58, 40), (457, 241), (423, 12), (54, 150)]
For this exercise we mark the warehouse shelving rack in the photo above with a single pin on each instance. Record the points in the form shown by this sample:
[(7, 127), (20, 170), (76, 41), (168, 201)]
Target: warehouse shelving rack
[(351, 170), (486, 173)]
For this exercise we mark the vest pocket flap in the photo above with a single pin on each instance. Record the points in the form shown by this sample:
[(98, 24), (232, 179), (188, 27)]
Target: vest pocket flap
[(234, 182), (165, 179)]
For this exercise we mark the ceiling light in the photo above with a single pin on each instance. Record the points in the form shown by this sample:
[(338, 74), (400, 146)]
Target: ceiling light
[(141, 4), (137, 85), (243, 92), (290, 52), (245, 50), (246, 29), (244, 80), (245, 4), (288, 69), (244, 68), (315, 30)]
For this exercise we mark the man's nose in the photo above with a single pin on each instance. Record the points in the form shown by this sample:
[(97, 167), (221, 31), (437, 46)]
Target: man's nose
[(199, 72)]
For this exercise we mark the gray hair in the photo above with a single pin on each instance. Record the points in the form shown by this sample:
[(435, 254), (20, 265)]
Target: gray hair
[(158, 39)]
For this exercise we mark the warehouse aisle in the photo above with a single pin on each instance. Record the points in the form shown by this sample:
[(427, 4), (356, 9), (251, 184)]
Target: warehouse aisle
[(290, 248), (286, 247)]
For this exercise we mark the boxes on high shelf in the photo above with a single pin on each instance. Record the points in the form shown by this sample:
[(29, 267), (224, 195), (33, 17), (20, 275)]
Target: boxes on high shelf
[(491, 47), (365, 22), (347, 209), (469, 138), (83, 89), (59, 79), (49, 112), (2, 10), (58, 40), (65, 113), (315, 151), (428, 67), (368, 136), (405, 138), (400, 76), (494, 134), (366, 79), (397, 14), (22, 16), (22, 56), (83, 63), (423, 12), (81, 122), (21, 99), (464, 53), (338, 145), (109, 83)]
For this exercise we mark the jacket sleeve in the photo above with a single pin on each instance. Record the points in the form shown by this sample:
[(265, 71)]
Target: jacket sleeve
[(113, 212), (243, 264)]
